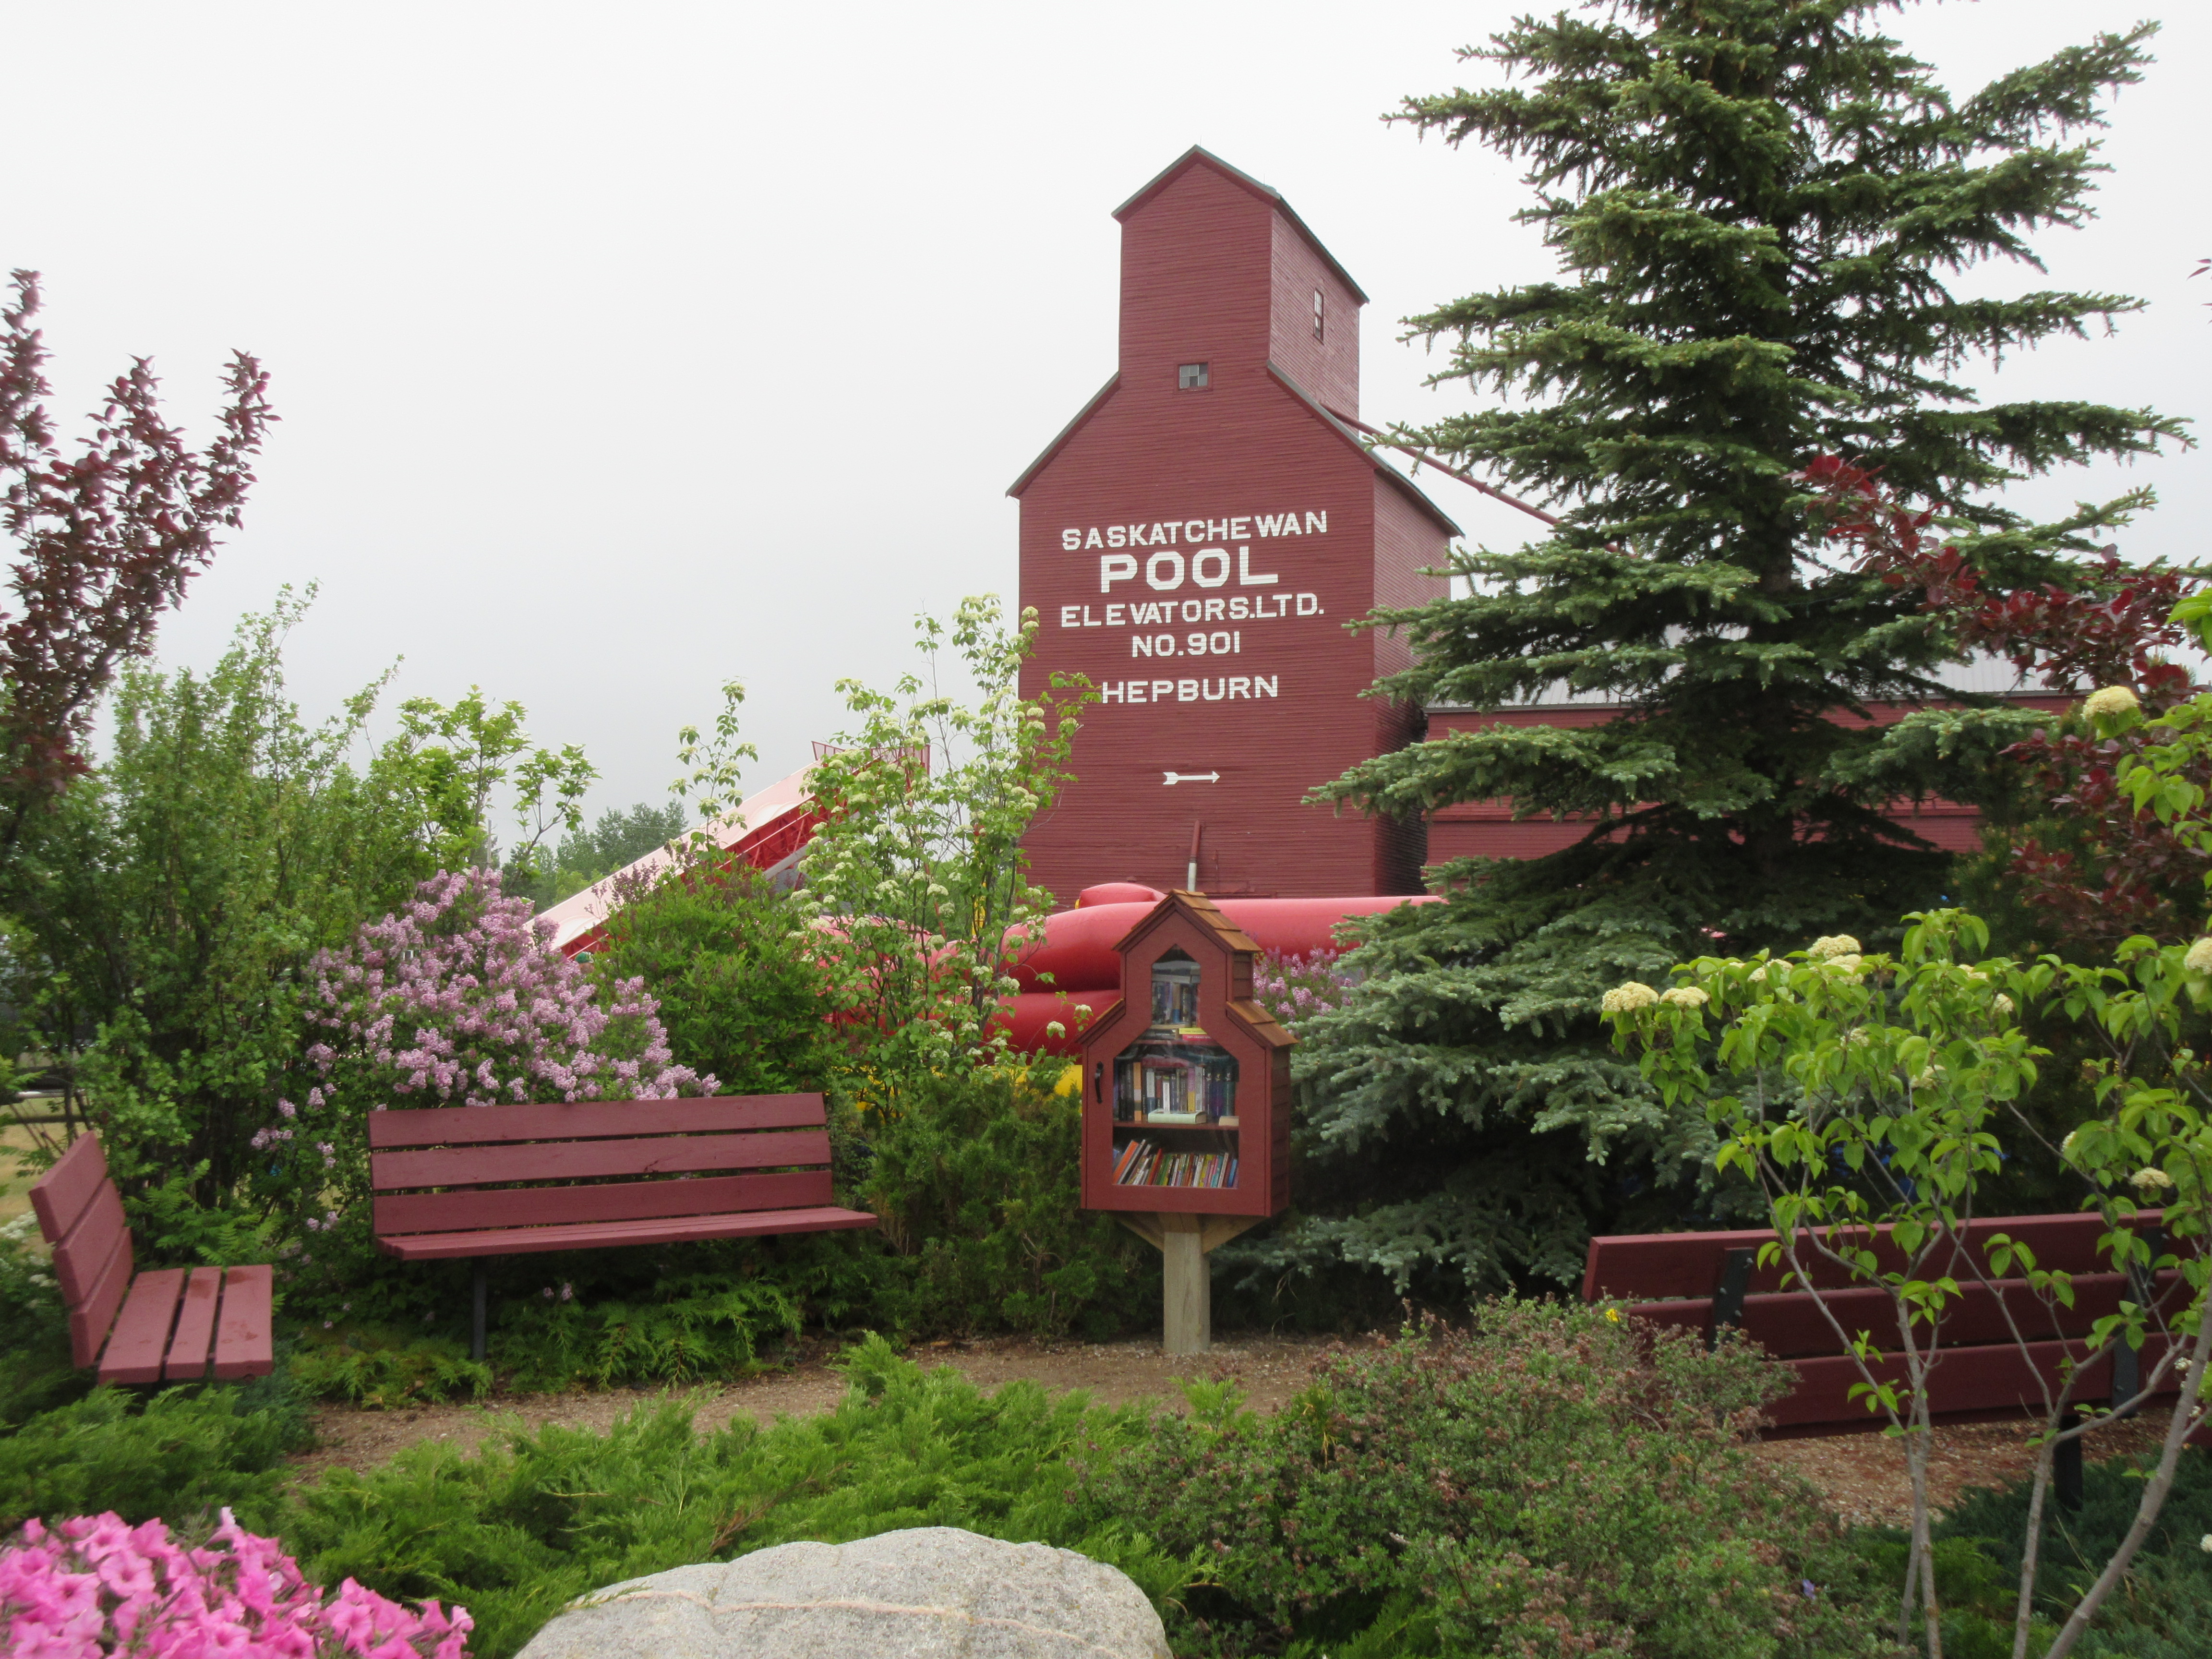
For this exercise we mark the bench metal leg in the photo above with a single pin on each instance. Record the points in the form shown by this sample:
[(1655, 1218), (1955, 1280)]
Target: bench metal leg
[(476, 1322), (2127, 1362), (1727, 1295), (2066, 1468)]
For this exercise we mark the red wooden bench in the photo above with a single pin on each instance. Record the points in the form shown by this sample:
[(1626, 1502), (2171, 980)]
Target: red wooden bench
[(172, 1325), (493, 1181), (1707, 1281)]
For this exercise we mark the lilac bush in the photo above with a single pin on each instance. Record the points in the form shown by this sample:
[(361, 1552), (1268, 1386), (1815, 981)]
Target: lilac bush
[(457, 1000), (92, 1586), (1294, 986)]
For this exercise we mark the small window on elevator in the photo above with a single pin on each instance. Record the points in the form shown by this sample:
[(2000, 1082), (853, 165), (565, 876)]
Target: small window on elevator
[(1316, 313), (1191, 377)]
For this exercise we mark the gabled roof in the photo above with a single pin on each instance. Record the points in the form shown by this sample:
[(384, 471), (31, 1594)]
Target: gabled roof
[(1196, 156), (1407, 487), (1066, 432), (1206, 914)]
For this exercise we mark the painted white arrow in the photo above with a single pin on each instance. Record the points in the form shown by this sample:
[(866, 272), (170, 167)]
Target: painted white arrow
[(1190, 777)]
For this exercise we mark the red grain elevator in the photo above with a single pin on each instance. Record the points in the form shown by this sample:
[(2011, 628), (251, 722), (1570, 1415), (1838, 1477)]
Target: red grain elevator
[(1196, 540)]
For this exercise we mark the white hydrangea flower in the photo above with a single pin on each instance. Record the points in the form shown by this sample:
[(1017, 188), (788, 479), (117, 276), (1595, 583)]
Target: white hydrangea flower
[(2002, 1004), (1846, 964), (2205, 1543), (1685, 996), (1829, 946), (2199, 959), (2112, 700), (2150, 1180), (1627, 998), (2066, 1146)]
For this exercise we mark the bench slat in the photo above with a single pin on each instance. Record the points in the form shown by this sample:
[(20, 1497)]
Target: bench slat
[(60, 1195), (628, 1200), (1990, 1379), (91, 1319), (675, 1230), (473, 1126), (80, 1257), (142, 1329), (1789, 1325), (244, 1341), (573, 1160), (1652, 1266), (187, 1359)]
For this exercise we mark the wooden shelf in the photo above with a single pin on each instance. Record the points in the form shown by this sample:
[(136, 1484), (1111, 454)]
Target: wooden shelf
[(1175, 1129)]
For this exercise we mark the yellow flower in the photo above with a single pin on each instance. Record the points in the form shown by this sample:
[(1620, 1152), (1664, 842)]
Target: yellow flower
[(1829, 946), (1685, 996), (1627, 998), (1614, 1314), (2112, 700)]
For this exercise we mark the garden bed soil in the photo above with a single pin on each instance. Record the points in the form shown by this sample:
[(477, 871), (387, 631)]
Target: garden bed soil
[(1861, 1476)]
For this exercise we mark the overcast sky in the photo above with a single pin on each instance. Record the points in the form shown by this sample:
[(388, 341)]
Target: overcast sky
[(625, 349)]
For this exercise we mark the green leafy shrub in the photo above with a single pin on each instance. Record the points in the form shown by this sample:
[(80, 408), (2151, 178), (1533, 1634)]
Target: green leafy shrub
[(977, 1178), (368, 1365), (36, 1370), (740, 1000), (1546, 1482), (530, 1520), (178, 1455)]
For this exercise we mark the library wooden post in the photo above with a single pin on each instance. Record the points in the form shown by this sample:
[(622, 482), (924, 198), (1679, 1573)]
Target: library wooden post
[(1186, 1118)]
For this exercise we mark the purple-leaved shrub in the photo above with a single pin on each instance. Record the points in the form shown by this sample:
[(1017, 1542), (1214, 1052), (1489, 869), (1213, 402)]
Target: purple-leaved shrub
[(91, 1586), (457, 1000)]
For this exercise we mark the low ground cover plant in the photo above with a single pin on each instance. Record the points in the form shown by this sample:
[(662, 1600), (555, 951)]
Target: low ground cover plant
[(177, 1454), (2163, 1610), (517, 1529)]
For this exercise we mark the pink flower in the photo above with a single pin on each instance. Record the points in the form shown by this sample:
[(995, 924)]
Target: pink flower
[(93, 1587)]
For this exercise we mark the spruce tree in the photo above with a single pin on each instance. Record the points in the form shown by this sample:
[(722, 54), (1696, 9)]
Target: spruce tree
[(1758, 208)]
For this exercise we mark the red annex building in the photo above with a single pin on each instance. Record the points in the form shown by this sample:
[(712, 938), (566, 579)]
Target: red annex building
[(1196, 540)]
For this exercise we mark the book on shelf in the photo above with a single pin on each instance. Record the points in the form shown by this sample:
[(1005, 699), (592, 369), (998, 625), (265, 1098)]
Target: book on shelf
[(1145, 1163)]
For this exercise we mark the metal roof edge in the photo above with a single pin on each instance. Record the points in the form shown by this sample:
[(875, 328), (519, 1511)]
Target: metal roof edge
[(1066, 432), (1411, 489), (1268, 193), (2016, 698)]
